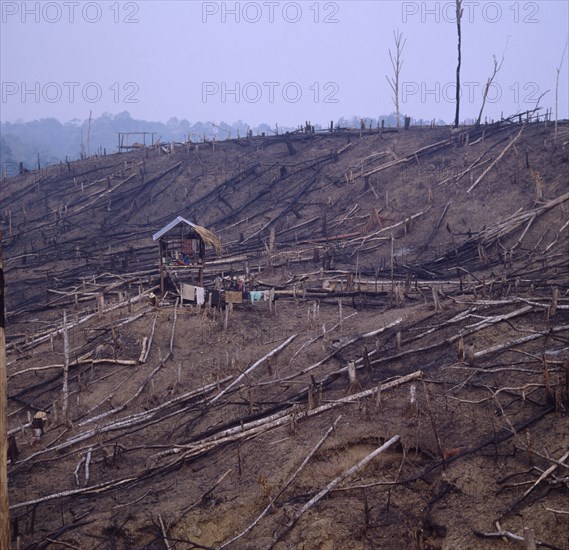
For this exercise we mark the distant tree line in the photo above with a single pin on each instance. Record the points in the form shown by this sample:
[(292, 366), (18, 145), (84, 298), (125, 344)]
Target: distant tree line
[(56, 141), (50, 141)]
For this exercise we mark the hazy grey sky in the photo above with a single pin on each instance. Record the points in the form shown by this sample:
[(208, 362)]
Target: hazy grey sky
[(276, 62)]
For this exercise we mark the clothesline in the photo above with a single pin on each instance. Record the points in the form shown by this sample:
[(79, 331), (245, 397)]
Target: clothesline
[(200, 295)]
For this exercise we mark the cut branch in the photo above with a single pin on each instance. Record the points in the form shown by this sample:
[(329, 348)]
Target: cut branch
[(479, 179), (285, 486), (331, 486)]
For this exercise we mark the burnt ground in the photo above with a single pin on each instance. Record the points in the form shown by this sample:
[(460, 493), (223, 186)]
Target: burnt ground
[(433, 263)]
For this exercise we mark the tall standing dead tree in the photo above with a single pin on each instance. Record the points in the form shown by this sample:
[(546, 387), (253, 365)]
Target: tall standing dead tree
[(396, 63), (458, 18), (557, 88), (497, 67)]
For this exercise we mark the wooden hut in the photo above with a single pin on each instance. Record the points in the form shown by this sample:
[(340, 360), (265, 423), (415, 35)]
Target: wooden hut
[(182, 246)]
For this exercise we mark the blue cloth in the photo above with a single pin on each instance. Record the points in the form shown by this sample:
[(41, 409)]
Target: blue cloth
[(256, 296)]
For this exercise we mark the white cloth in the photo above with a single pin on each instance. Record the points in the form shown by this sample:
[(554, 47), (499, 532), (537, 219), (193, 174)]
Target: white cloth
[(188, 292), (200, 295)]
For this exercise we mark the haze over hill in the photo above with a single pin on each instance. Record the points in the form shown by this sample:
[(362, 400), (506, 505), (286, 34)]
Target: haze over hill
[(277, 62), (266, 66), (50, 141)]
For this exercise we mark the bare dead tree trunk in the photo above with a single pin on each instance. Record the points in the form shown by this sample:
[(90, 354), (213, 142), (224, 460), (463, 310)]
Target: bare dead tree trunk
[(396, 63), (557, 89), (89, 136), (497, 67), (4, 510), (458, 18)]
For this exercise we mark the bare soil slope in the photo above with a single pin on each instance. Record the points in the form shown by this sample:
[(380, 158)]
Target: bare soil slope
[(430, 263)]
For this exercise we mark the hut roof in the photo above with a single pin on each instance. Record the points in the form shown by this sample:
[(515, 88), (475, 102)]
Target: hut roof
[(208, 237)]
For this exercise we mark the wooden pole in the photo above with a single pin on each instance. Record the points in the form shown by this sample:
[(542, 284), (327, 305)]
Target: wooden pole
[(202, 260), (65, 390), (161, 259), (4, 509)]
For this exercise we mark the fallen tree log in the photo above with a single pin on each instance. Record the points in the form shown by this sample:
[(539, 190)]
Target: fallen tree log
[(256, 427), (479, 179), (52, 333), (136, 419), (331, 486), (284, 487), (344, 346), (502, 534), (248, 371), (241, 432)]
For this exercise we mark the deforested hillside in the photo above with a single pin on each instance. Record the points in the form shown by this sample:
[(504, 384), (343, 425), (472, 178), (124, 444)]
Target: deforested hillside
[(394, 375)]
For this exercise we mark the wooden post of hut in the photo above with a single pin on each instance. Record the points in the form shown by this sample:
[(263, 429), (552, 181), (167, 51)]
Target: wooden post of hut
[(161, 254), (201, 252)]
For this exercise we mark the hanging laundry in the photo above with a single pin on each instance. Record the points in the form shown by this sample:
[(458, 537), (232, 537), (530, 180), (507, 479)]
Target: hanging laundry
[(214, 297), (256, 295), (188, 292), (200, 295), (233, 296)]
